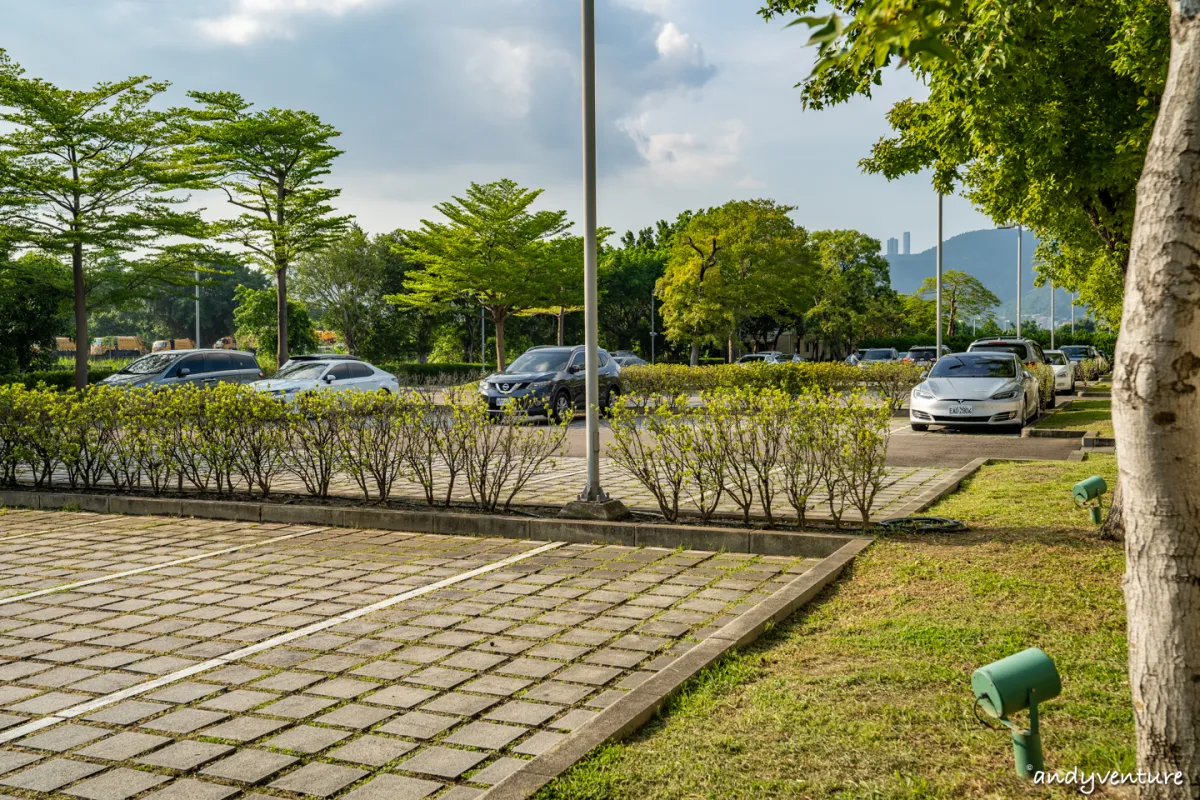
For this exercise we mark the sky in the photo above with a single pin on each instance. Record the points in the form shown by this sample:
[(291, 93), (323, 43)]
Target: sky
[(696, 100)]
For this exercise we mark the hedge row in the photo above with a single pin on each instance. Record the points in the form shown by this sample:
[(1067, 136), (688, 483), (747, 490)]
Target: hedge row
[(414, 373), (757, 447), (892, 382), (208, 439), (61, 379)]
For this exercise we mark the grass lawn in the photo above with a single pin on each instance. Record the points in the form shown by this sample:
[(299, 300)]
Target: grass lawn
[(866, 694), (1082, 415)]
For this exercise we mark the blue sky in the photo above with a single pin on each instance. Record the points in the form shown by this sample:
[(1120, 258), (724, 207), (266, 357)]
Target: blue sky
[(696, 104)]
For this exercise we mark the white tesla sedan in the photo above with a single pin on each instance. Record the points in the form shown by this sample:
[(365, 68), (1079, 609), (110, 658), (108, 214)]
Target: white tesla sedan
[(975, 390), (1064, 371), (308, 373)]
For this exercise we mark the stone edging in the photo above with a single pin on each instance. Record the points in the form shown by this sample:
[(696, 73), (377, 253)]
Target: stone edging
[(636, 708), (1051, 433), (1092, 439), (632, 534), (944, 486)]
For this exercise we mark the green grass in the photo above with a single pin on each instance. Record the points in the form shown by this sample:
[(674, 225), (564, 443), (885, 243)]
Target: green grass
[(1081, 415), (866, 693)]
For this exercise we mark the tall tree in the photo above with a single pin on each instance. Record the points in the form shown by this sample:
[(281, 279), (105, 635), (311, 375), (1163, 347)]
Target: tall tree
[(255, 321), (744, 259), (853, 280), (343, 284), (1156, 409), (562, 279), (489, 251), (270, 164), (963, 296), (35, 302), (89, 177)]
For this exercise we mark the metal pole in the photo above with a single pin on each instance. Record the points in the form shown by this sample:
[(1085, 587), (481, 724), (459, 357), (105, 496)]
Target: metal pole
[(938, 353), (1020, 236), (592, 492), (198, 309), (483, 337), (1052, 347), (1074, 300), (652, 331)]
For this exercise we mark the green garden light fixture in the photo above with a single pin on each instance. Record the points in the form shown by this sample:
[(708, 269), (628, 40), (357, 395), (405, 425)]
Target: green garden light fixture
[(1087, 494), (1011, 685)]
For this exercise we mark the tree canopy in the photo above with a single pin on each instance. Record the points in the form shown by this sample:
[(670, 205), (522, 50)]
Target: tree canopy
[(963, 298)]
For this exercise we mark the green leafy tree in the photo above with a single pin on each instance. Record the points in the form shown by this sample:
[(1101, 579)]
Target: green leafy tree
[(489, 251), (35, 305), (91, 177), (562, 279), (963, 297), (256, 322), (853, 289), (343, 284), (270, 164), (742, 260)]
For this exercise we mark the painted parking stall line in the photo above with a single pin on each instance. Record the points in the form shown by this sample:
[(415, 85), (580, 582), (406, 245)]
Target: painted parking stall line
[(140, 570), (316, 627)]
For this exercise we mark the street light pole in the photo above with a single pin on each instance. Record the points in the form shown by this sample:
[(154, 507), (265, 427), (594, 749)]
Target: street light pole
[(938, 353), (652, 332), (198, 309), (1020, 238), (483, 338), (1074, 300), (1052, 347)]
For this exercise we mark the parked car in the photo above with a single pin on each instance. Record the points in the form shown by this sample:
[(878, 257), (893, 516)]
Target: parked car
[(552, 381), (1027, 350), (975, 389), (188, 367), (1076, 353), (317, 373), (1064, 371), (629, 360), (878, 355), (765, 357), (924, 354), (799, 359)]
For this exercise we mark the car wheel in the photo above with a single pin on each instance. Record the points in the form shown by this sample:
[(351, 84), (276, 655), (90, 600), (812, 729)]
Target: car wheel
[(919, 428), (562, 407), (613, 397)]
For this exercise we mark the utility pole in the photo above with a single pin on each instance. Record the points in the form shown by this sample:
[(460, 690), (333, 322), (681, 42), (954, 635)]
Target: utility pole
[(198, 308), (483, 338), (652, 331), (938, 354), (1052, 347), (1020, 237), (1074, 300), (592, 502)]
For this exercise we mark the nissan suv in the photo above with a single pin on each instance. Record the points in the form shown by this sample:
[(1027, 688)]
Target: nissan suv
[(549, 382)]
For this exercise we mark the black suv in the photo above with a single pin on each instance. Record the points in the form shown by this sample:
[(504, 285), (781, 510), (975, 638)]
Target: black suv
[(554, 381)]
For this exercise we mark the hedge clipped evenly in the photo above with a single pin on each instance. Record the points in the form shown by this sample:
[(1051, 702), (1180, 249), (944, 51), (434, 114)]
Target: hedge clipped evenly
[(754, 446), (208, 439), (1045, 378), (650, 384), (412, 374), (61, 379)]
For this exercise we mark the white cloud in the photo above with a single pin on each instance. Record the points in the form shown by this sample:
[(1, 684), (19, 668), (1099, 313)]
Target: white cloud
[(688, 157), (249, 20), (675, 45)]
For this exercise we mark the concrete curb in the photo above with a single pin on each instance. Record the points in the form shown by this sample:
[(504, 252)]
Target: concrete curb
[(946, 485), (1092, 439), (637, 708), (1051, 433), (632, 534)]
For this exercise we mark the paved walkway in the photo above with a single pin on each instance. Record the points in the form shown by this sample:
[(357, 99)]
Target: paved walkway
[(145, 657)]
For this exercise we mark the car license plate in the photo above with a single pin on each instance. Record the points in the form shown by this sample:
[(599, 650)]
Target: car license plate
[(961, 411)]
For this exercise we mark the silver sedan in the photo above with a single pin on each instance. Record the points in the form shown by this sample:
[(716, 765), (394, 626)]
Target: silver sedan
[(306, 374), (990, 390)]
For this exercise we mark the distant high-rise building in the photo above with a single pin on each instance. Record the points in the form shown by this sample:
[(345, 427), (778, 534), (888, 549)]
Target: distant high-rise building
[(893, 246), (907, 243)]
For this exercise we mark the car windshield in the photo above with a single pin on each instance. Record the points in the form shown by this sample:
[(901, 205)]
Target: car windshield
[(540, 361), (967, 366), (1056, 358), (1017, 350), (753, 357), (921, 352), (878, 355), (302, 371), (1075, 350), (151, 364)]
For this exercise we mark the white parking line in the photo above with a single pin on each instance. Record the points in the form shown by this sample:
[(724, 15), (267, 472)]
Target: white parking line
[(283, 638), (151, 568)]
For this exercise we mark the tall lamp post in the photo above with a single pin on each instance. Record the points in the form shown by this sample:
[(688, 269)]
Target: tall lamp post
[(1020, 237), (938, 352), (198, 309), (592, 502), (1052, 347), (653, 333)]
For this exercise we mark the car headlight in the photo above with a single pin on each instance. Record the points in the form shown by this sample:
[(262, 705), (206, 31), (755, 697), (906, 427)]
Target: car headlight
[(922, 394), (539, 386), (1006, 394), (483, 386)]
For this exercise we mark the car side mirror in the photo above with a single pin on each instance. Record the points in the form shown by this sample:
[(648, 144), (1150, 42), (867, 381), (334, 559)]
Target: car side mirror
[(330, 378), (183, 373), (575, 368), (1028, 374), (924, 374)]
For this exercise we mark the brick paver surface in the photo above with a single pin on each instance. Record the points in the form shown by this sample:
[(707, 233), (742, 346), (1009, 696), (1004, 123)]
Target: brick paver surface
[(440, 695)]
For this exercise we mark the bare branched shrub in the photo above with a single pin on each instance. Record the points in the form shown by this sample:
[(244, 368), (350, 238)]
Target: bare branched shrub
[(653, 450), (801, 459), (311, 454), (861, 463), (372, 440)]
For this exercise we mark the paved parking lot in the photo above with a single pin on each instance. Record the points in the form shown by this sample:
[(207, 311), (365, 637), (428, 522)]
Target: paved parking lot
[(180, 659)]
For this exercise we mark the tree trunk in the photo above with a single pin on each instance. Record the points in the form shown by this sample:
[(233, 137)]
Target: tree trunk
[(281, 311), (498, 319), (1113, 528), (82, 345), (562, 313), (1156, 415), (695, 360), (729, 350)]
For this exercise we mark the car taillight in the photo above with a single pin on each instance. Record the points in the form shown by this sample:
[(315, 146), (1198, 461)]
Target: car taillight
[(260, 375)]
